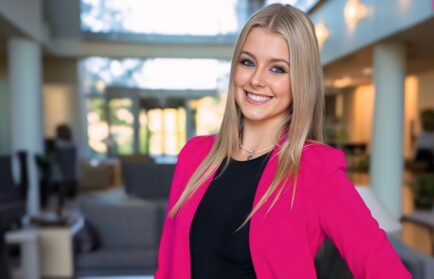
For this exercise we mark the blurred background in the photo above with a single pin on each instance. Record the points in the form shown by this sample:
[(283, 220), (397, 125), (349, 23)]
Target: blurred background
[(97, 97)]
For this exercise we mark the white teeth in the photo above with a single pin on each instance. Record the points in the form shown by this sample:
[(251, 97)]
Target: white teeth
[(258, 98)]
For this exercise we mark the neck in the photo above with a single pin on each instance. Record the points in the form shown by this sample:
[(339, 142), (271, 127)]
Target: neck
[(258, 136)]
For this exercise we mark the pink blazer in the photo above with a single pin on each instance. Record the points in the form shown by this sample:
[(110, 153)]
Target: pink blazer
[(284, 244)]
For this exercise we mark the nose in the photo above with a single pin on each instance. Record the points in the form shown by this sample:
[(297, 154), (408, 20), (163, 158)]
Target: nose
[(257, 79)]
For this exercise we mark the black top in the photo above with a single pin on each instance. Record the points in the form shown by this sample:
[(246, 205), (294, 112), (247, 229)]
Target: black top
[(217, 250)]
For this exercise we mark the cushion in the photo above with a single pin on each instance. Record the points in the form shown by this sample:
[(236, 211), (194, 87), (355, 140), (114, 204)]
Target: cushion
[(121, 226), (119, 259), (147, 180), (88, 239)]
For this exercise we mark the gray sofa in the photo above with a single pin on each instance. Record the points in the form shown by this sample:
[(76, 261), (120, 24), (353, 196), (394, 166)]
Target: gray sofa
[(123, 225), (120, 235)]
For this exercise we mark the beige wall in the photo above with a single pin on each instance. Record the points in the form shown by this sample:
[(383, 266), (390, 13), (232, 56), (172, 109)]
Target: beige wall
[(60, 70), (60, 97), (411, 112), (358, 105), (357, 113), (57, 109)]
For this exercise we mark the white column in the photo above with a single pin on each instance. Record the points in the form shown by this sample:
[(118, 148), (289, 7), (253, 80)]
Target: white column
[(24, 67), (386, 172), (28, 239), (82, 138)]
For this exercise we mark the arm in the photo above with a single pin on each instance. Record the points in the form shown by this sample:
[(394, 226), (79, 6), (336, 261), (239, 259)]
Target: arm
[(345, 219), (164, 250)]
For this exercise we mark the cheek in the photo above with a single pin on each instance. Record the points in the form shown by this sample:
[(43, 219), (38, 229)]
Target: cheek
[(285, 90), (241, 77)]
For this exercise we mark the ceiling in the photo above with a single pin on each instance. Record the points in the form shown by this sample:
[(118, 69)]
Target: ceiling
[(352, 70), (6, 30), (356, 69)]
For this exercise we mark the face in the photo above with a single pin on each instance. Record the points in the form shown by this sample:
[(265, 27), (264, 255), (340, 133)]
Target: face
[(262, 80)]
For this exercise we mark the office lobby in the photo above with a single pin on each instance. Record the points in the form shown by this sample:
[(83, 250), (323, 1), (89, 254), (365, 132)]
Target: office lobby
[(98, 97)]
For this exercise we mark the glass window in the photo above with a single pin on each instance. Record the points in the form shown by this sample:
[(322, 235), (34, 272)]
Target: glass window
[(97, 127), (169, 17), (121, 126), (144, 133), (157, 73), (209, 113), (304, 5), (167, 132)]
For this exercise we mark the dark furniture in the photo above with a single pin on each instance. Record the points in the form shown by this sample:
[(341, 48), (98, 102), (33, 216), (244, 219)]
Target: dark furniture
[(12, 204), (148, 181)]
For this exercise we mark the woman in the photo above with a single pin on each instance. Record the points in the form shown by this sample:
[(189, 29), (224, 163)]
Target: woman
[(257, 199)]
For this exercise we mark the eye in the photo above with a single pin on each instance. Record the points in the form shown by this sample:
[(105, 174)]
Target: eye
[(278, 70), (247, 62)]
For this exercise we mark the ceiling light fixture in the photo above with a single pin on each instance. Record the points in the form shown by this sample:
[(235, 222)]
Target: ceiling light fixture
[(354, 11), (322, 33), (343, 82)]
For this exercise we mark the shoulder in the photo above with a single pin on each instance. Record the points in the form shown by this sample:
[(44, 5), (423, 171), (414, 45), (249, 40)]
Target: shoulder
[(322, 156), (327, 164), (189, 158), (196, 147), (198, 143)]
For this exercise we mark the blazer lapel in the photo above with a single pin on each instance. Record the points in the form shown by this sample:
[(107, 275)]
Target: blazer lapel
[(186, 215), (256, 220)]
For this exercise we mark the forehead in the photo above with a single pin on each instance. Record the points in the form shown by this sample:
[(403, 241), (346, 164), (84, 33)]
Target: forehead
[(263, 42)]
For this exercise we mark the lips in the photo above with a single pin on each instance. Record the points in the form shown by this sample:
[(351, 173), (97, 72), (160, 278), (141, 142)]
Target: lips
[(257, 99)]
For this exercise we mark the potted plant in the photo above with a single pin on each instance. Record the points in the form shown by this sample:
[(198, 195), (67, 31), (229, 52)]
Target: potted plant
[(423, 191)]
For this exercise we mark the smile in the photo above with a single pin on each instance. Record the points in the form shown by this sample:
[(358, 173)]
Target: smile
[(257, 99)]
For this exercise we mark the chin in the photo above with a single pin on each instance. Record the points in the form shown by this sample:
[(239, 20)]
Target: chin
[(256, 118)]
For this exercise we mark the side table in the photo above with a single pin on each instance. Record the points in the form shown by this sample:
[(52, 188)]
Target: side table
[(57, 250)]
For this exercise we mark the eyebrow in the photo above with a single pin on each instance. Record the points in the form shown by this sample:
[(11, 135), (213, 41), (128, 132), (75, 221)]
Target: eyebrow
[(271, 60)]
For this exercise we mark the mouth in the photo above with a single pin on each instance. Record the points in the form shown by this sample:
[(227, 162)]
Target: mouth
[(257, 99)]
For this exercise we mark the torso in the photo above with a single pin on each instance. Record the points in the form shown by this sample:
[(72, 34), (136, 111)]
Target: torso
[(218, 250)]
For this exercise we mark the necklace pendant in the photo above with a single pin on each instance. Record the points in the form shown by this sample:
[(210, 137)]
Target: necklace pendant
[(250, 157)]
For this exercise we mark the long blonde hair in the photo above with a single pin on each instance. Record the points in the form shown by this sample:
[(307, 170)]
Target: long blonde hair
[(305, 115)]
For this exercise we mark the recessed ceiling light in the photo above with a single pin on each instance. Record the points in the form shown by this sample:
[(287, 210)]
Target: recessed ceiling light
[(367, 71)]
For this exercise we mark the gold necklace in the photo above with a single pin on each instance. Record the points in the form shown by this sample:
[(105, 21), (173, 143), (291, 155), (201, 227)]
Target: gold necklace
[(253, 152)]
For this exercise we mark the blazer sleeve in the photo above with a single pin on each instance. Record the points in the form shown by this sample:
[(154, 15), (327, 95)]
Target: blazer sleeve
[(176, 188), (346, 220)]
